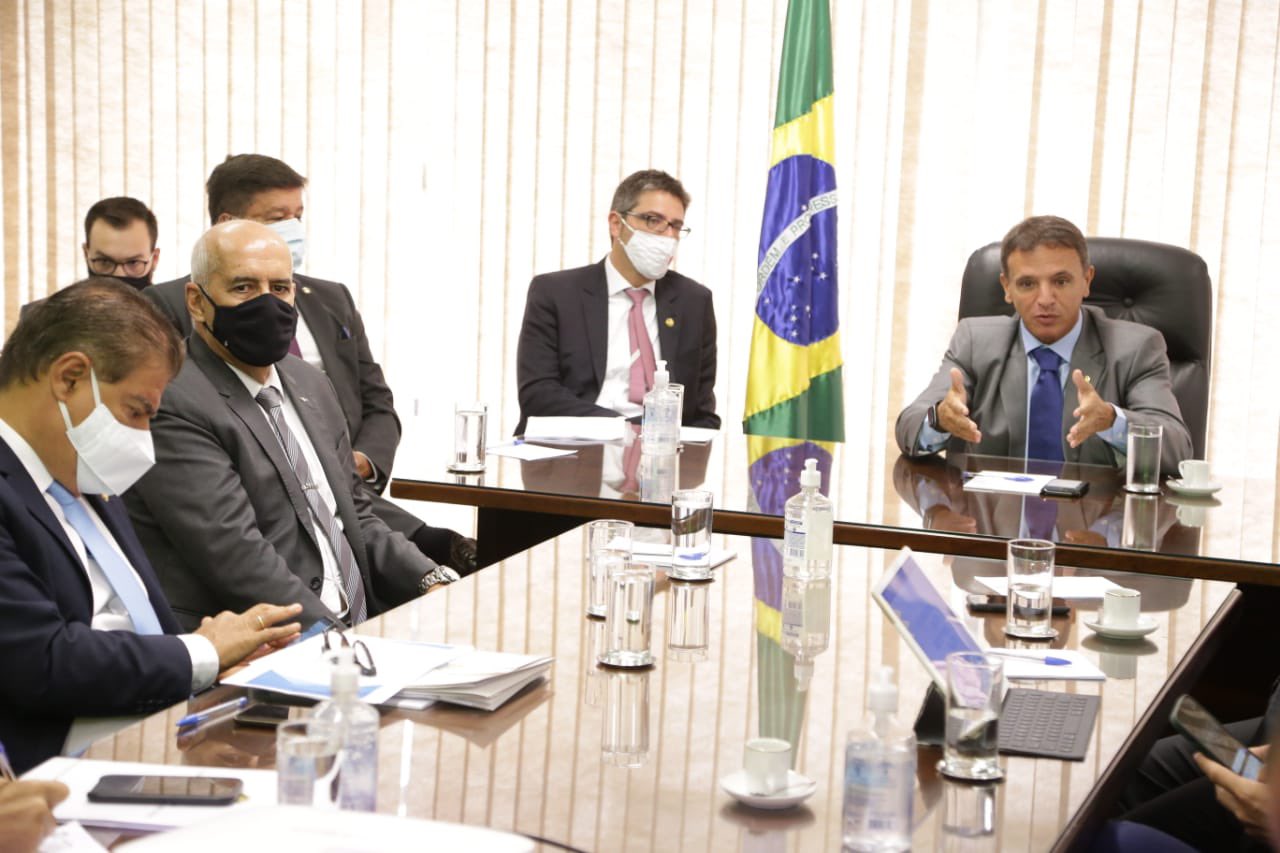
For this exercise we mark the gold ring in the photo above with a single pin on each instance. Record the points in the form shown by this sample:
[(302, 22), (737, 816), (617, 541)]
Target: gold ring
[(262, 626)]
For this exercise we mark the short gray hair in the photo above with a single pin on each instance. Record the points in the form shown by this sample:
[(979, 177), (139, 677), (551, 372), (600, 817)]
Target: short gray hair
[(203, 261)]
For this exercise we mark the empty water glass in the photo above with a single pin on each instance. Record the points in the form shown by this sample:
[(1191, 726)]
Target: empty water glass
[(691, 534)]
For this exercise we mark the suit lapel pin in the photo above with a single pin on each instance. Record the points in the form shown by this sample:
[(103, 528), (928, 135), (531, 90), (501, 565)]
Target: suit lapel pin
[(670, 322)]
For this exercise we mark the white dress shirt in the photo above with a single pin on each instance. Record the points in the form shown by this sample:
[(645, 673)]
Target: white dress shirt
[(307, 344), (109, 612), (615, 389), (332, 594)]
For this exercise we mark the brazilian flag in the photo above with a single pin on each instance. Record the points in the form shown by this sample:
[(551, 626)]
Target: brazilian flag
[(794, 384)]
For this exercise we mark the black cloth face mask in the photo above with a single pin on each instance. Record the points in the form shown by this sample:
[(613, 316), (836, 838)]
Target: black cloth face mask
[(140, 282), (258, 332)]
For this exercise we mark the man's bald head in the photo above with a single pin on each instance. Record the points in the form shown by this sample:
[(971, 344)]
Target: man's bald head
[(235, 239)]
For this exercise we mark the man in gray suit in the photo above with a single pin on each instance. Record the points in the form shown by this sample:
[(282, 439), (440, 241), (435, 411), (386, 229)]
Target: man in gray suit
[(254, 495), (1061, 381), (330, 336)]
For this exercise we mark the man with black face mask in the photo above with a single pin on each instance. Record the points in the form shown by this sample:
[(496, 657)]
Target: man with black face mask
[(254, 494), (120, 240)]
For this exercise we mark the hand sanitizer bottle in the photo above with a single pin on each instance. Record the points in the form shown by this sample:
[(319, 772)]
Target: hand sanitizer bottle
[(808, 528), (354, 723), (660, 428), (879, 774)]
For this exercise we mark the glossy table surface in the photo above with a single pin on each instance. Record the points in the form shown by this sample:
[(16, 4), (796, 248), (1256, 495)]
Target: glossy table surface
[(536, 766), (883, 500)]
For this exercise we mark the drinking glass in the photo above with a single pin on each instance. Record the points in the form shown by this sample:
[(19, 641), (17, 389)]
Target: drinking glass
[(306, 766), (608, 546), (974, 692), (1142, 465), (1030, 600), (691, 534), (468, 437), (629, 623)]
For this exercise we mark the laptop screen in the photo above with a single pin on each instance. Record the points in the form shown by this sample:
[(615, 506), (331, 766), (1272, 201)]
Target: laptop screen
[(920, 614)]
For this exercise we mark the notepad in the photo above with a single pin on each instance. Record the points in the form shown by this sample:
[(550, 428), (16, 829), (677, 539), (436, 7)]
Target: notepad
[(575, 429)]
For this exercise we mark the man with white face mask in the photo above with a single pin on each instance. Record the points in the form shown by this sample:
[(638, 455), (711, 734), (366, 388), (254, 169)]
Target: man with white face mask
[(591, 335), (86, 634), (330, 336)]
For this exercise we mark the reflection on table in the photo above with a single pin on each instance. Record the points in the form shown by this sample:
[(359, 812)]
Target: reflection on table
[(920, 502), (600, 759)]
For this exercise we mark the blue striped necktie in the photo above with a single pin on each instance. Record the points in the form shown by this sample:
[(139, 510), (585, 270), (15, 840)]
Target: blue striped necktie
[(271, 401), (127, 585), (1044, 424)]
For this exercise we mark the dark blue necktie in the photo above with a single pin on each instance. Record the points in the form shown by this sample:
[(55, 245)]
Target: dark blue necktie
[(1044, 426)]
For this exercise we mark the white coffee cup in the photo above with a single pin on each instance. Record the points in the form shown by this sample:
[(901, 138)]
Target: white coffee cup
[(1120, 608), (1195, 472), (766, 762)]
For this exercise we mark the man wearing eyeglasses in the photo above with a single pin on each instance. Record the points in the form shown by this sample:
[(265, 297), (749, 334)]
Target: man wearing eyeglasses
[(592, 335), (120, 240)]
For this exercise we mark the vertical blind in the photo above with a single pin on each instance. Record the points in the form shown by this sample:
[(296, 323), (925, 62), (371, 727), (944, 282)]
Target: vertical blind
[(456, 147)]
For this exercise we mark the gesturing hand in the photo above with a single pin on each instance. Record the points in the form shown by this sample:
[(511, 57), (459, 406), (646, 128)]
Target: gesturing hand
[(1093, 415), (236, 635), (953, 411)]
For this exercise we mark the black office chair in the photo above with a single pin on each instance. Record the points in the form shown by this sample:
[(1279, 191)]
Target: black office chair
[(1165, 287)]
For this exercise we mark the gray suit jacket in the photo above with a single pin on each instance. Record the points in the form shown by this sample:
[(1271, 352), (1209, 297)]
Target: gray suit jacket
[(338, 330), (221, 515), (1126, 361)]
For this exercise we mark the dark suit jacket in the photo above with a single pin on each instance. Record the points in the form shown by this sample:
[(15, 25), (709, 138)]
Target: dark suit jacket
[(53, 666), (335, 324), (222, 516), (1127, 362), (564, 341)]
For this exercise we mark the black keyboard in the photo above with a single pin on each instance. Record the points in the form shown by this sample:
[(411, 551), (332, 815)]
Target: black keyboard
[(1047, 724)]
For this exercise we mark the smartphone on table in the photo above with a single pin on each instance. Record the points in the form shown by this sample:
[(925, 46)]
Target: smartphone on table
[(263, 714), (167, 790), (1191, 719)]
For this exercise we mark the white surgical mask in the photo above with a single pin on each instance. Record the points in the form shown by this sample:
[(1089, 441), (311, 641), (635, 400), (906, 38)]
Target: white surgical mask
[(650, 254), (110, 456), (292, 232)]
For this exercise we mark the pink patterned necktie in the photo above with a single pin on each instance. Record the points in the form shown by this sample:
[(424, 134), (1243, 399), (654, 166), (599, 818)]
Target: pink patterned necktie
[(643, 363)]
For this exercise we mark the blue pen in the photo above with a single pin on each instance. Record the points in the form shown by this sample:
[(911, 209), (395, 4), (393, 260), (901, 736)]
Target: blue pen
[(218, 710), (1047, 660)]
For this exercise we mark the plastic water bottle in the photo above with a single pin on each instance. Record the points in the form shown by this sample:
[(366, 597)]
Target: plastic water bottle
[(354, 724), (808, 528), (660, 428), (879, 774)]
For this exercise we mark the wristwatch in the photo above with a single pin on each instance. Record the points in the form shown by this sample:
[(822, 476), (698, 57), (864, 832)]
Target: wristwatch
[(932, 418), (438, 575)]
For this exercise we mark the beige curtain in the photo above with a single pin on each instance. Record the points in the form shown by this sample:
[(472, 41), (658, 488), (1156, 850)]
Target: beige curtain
[(456, 147)]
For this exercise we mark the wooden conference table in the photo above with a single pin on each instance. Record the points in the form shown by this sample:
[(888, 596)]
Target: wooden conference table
[(536, 766), (881, 500)]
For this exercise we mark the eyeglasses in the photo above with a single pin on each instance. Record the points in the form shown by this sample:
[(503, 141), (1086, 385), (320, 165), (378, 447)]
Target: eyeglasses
[(361, 653), (656, 223), (102, 265)]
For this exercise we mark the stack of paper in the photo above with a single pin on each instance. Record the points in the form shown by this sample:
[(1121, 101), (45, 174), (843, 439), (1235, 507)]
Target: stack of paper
[(1009, 482), (479, 679), (575, 429), (659, 554)]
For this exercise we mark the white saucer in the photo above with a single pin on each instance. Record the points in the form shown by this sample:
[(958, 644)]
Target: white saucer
[(1146, 624), (799, 788), (1181, 488)]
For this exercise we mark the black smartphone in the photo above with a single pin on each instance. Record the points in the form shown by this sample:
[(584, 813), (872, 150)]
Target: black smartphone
[(263, 714), (167, 790), (1191, 719), (979, 603), (1064, 489)]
